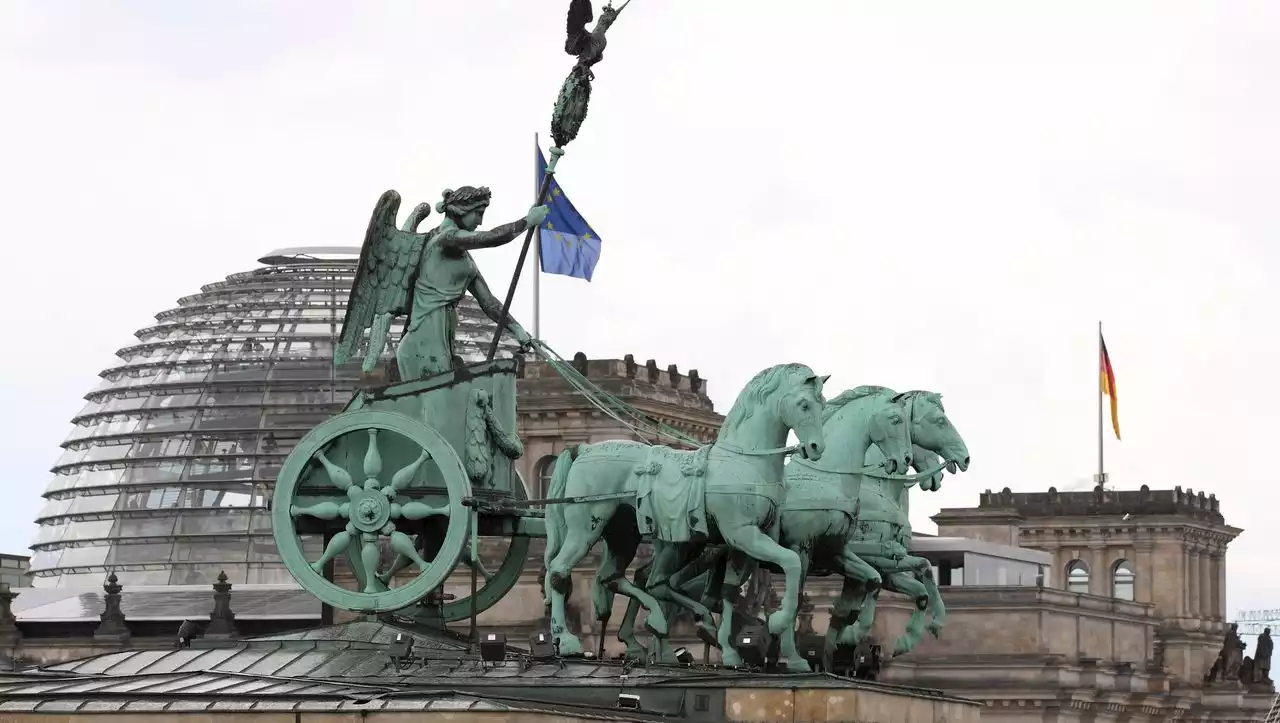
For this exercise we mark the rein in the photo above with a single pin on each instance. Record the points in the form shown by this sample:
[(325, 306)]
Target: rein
[(870, 471), (757, 452)]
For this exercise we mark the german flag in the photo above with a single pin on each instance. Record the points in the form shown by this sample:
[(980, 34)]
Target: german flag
[(1108, 381)]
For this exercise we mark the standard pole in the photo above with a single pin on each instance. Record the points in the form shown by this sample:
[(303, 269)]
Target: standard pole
[(505, 317), (537, 277), (1102, 475)]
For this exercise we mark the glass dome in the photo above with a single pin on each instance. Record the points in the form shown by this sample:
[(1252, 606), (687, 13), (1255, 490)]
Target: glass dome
[(166, 476)]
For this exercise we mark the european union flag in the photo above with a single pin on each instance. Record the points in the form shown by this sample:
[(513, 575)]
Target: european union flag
[(568, 244)]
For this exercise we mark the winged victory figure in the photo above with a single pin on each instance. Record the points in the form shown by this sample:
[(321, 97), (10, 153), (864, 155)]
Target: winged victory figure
[(424, 276)]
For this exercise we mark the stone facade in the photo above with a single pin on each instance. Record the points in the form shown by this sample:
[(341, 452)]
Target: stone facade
[(1173, 541), (1161, 550)]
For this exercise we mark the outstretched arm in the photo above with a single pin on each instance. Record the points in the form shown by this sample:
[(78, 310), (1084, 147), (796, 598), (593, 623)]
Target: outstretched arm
[(470, 240), (492, 308), (497, 236)]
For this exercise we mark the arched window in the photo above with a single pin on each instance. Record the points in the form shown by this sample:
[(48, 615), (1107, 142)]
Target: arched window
[(1077, 576), (546, 466), (1122, 577)]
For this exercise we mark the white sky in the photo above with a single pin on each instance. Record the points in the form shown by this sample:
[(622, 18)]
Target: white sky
[(932, 195)]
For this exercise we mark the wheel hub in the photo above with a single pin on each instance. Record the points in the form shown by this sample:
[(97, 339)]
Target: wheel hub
[(371, 512)]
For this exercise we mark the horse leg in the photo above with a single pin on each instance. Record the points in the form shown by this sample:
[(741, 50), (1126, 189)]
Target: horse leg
[(627, 630), (787, 644), (907, 584), (675, 590), (937, 609), (842, 610), (621, 539), (864, 617), (732, 580), (754, 543), (585, 526), (857, 599)]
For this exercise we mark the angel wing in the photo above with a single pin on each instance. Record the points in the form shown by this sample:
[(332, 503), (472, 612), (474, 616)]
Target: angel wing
[(384, 279), (579, 38)]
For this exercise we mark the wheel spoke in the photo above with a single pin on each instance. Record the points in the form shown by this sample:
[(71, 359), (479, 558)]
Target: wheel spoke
[(403, 544), (369, 558), (372, 458), (336, 545), (405, 476), (338, 476), (418, 510), (321, 510)]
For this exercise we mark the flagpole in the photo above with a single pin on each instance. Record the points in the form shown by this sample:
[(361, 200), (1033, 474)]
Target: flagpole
[(537, 273), (1101, 477)]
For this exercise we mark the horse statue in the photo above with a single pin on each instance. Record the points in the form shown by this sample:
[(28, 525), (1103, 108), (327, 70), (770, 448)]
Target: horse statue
[(727, 492), (818, 518), (885, 530)]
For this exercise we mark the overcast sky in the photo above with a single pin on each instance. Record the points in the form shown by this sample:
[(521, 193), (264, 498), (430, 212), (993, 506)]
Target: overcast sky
[(935, 195)]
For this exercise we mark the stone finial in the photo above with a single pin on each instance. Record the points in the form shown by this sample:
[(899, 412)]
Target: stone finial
[(673, 375), (695, 381), (112, 627), (580, 363), (630, 361), (9, 633), (222, 622), (651, 367)]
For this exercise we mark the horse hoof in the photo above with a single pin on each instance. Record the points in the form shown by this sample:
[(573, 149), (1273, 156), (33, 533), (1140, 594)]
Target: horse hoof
[(569, 645)]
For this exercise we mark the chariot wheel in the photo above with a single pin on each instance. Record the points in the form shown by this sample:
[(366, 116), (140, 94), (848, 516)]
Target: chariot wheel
[(343, 457)]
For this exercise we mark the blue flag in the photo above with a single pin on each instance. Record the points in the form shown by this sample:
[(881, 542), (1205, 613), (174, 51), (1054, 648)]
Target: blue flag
[(568, 244)]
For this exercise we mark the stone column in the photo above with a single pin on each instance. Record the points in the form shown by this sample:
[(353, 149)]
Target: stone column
[(1099, 575), (1193, 582), (1208, 581), (1184, 576), (1221, 572), (1144, 589)]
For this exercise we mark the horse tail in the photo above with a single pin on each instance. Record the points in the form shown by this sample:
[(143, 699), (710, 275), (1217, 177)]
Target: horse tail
[(556, 527)]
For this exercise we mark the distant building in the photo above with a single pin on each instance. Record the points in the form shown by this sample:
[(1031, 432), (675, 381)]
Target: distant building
[(14, 570), (1165, 548)]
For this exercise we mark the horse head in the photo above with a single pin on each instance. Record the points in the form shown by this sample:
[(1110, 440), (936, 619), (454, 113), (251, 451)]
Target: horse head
[(800, 407), (781, 399), (865, 418), (933, 431)]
